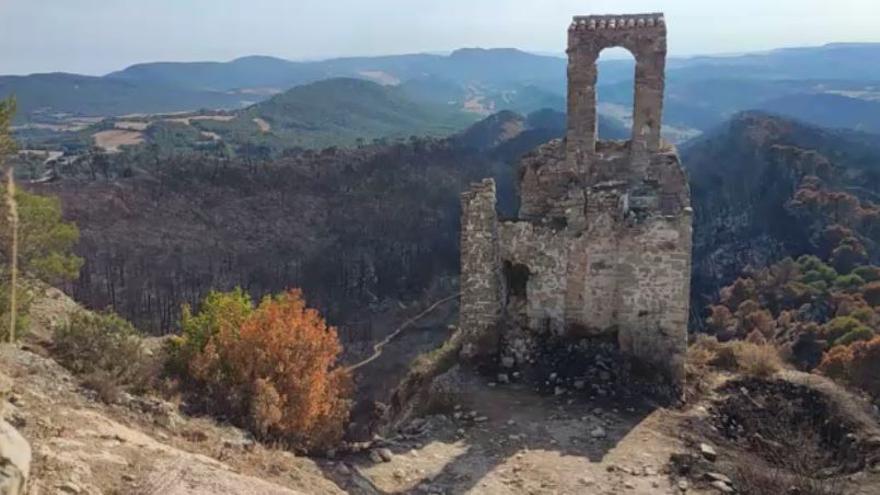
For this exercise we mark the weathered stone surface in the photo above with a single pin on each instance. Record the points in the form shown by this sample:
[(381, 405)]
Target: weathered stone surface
[(15, 460), (602, 244)]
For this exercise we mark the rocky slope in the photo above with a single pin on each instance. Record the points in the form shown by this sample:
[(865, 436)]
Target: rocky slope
[(484, 435)]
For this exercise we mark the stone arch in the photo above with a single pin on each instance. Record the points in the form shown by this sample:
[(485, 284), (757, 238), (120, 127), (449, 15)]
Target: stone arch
[(644, 36)]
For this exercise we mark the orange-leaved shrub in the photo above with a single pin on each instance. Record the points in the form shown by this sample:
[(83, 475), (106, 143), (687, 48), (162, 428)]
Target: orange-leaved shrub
[(272, 368), (857, 364)]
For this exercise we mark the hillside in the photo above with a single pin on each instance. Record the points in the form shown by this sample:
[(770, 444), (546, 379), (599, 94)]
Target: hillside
[(245, 72), (833, 61), (337, 112), (701, 92), (829, 110), (42, 96), (466, 65), (489, 438), (744, 176)]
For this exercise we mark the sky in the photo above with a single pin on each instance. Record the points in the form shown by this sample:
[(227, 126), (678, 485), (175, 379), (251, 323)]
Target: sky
[(100, 36)]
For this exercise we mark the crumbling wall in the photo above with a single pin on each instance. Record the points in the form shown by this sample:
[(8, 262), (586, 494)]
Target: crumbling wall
[(603, 238), (481, 287), (543, 250), (654, 293)]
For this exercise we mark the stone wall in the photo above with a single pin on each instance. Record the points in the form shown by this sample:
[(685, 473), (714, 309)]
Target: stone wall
[(643, 35), (602, 245), (481, 289)]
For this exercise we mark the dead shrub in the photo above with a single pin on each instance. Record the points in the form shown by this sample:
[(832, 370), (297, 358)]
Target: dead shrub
[(702, 352), (857, 364), (697, 366), (103, 384), (757, 360), (749, 358), (756, 479)]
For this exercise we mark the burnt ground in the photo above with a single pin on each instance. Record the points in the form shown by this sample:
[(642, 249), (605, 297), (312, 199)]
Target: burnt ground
[(792, 433)]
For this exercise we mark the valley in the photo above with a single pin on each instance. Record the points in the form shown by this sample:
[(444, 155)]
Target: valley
[(478, 271)]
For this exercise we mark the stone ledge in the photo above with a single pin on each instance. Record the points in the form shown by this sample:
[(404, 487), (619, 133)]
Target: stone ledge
[(617, 22)]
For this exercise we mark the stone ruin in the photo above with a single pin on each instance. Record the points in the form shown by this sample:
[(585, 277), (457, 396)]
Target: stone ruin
[(602, 244)]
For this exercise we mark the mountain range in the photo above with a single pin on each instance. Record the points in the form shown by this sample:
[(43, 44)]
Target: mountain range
[(827, 85)]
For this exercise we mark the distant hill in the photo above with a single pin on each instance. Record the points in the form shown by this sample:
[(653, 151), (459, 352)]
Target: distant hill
[(341, 111), (246, 72), (42, 95), (701, 92), (829, 110), (503, 65), (835, 61)]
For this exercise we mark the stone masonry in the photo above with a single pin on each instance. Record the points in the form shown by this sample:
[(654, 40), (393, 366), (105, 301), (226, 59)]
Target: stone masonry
[(602, 245)]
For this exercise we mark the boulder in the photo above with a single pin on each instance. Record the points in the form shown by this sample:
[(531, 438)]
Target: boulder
[(15, 460), (708, 452)]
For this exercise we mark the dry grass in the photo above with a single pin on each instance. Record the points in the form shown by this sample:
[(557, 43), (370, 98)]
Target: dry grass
[(748, 358), (758, 360)]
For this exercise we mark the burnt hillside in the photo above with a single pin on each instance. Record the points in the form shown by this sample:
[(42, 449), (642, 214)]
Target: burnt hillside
[(744, 179), (356, 228)]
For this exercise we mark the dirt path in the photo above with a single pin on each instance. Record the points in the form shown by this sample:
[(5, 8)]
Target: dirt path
[(506, 439)]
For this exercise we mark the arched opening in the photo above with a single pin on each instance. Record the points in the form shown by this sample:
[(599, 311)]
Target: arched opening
[(615, 90), (516, 280)]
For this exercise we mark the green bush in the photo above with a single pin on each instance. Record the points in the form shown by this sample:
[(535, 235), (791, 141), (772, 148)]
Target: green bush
[(105, 349), (851, 282), (814, 270), (840, 326), (864, 315), (219, 310), (860, 333), (868, 273), (23, 302)]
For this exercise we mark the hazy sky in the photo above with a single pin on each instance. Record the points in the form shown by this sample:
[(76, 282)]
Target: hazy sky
[(98, 36)]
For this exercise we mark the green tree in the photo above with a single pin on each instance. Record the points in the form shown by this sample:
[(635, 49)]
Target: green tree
[(44, 240)]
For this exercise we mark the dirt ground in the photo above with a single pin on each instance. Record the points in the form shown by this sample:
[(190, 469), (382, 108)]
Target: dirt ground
[(111, 141), (262, 124), (507, 439)]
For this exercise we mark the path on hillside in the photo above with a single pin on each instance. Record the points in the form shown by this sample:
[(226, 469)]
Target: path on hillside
[(380, 346)]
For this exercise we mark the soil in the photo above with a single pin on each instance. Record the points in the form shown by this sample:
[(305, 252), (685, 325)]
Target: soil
[(262, 124), (112, 141)]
